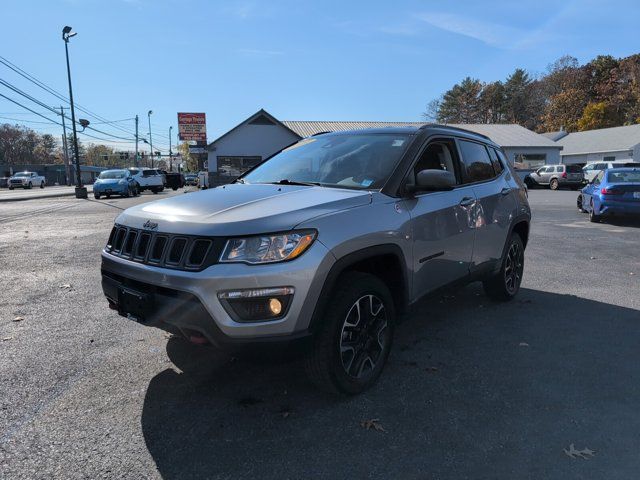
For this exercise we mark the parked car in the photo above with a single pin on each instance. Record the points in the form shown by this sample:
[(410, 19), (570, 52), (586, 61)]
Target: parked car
[(147, 179), (557, 176), (590, 170), (173, 180), (115, 182), (614, 191), (4, 182), (324, 246), (26, 180), (191, 179)]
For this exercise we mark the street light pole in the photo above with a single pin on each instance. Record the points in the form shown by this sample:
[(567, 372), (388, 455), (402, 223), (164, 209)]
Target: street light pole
[(136, 164), (170, 152), (67, 171), (150, 139), (81, 191)]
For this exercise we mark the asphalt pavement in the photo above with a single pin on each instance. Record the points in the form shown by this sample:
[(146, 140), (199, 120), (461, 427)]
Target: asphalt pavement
[(545, 386)]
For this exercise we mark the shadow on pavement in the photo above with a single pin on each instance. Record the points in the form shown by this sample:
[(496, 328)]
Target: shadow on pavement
[(473, 389)]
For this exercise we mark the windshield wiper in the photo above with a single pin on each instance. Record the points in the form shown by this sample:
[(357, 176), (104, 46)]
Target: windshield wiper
[(286, 181)]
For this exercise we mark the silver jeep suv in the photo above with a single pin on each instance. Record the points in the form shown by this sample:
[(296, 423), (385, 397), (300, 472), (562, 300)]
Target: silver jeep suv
[(324, 246)]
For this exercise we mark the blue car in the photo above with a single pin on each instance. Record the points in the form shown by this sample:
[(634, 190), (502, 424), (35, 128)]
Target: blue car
[(615, 191), (115, 182)]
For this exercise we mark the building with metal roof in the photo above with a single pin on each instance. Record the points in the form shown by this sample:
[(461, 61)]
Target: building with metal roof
[(602, 145), (262, 135)]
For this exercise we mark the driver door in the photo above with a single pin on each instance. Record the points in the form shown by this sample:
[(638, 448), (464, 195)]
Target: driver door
[(441, 222)]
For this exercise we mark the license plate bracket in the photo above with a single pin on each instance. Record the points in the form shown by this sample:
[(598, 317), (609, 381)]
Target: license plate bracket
[(134, 305)]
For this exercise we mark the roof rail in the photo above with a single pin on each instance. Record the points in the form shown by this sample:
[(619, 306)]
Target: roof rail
[(321, 133), (458, 129)]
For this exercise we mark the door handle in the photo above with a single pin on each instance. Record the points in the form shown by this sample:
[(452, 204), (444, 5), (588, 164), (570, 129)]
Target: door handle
[(505, 191), (467, 201)]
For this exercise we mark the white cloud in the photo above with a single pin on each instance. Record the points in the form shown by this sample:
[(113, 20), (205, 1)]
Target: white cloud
[(493, 34)]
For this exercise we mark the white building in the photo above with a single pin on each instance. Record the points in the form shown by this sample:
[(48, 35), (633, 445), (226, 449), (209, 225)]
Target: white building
[(603, 145), (262, 135)]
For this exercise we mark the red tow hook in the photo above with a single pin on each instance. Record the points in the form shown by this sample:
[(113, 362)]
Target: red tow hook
[(198, 339)]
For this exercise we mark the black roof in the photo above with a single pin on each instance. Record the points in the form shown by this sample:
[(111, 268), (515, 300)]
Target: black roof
[(412, 130)]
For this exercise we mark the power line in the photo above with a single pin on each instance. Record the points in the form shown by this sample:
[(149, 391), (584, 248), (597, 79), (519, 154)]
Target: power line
[(27, 108), (22, 120)]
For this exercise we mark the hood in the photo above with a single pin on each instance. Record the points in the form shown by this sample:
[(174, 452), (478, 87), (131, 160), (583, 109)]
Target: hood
[(241, 209)]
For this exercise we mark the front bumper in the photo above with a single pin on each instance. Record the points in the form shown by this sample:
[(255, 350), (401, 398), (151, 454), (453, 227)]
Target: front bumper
[(113, 189), (187, 302)]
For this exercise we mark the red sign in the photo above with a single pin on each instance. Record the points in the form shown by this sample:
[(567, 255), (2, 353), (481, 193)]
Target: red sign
[(192, 126)]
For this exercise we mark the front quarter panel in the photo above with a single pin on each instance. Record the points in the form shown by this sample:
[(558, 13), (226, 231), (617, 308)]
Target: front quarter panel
[(385, 221)]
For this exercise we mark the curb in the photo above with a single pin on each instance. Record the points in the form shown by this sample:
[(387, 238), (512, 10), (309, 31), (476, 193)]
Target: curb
[(38, 197)]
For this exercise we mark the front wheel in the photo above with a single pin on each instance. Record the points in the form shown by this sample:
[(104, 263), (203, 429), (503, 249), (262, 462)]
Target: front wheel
[(579, 204), (353, 343), (505, 284), (96, 196)]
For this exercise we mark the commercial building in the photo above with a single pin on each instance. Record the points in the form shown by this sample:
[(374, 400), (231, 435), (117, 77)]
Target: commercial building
[(262, 135), (603, 145)]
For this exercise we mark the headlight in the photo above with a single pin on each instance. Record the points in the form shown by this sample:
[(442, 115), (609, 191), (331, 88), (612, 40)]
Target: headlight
[(268, 248)]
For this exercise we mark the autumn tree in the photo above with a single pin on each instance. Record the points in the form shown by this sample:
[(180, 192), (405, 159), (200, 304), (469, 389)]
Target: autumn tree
[(564, 110), (597, 115)]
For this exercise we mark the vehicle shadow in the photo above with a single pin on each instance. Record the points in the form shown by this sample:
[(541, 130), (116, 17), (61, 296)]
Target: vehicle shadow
[(473, 389)]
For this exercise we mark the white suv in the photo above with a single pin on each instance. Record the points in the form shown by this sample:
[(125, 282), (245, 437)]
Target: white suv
[(148, 179), (591, 170)]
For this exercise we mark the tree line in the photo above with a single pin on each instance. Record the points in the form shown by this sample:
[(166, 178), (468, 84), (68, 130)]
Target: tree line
[(20, 145), (604, 92)]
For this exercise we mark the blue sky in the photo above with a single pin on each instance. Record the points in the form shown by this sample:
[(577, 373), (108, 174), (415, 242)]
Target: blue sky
[(300, 60)]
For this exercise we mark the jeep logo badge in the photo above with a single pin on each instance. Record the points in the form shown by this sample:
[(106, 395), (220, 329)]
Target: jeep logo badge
[(149, 225)]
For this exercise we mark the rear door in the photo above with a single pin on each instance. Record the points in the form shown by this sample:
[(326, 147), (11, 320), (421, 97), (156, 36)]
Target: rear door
[(442, 222), (494, 189)]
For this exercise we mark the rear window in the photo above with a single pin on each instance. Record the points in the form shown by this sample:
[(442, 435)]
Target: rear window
[(623, 177), (574, 168), (149, 173)]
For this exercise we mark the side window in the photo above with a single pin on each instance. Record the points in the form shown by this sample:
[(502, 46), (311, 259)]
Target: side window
[(549, 169), (600, 166), (495, 160), (560, 168), (438, 155), (134, 171), (598, 178), (475, 162)]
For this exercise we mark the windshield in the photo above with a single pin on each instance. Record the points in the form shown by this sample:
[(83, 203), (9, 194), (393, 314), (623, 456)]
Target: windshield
[(360, 161), (22, 174), (112, 174), (623, 177)]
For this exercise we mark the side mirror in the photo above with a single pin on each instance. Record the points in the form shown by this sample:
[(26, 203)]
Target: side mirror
[(433, 181)]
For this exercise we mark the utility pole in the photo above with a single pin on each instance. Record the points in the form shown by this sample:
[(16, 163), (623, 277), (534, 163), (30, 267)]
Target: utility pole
[(150, 139), (67, 171), (136, 160), (170, 152)]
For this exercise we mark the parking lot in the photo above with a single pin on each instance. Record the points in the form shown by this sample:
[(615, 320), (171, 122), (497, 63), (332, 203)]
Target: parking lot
[(473, 389)]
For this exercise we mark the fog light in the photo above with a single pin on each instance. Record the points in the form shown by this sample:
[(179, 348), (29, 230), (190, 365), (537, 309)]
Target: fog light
[(275, 306), (260, 304)]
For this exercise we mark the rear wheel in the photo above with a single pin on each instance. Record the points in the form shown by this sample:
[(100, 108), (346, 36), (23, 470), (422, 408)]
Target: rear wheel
[(554, 185), (506, 283), (593, 216), (41, 184), (96, 196), (353, 344)]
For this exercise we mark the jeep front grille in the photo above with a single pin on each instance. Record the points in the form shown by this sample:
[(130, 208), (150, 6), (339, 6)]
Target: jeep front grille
[(181, 252)]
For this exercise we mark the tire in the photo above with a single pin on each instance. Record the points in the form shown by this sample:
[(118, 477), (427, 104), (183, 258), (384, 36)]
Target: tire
[(154, 191), (11, 188), (347, 356), (174, 188), (96, 196), (579, 204), (553, 184), (108, 195), (505, 285), (42, 185), (136, 190), (593, 216), (530, 183), (161, 189), (127, 194)]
